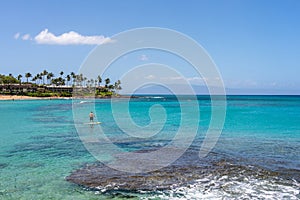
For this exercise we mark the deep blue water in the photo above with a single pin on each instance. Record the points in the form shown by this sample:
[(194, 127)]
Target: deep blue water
[(39, 145)]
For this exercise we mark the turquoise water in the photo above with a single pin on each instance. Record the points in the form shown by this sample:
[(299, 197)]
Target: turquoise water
[(39, 146)]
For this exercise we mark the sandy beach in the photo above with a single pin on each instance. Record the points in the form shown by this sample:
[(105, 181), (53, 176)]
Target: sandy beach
[(16, 97)]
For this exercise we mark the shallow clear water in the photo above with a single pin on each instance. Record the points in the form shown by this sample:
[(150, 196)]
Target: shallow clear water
[(39, 147)]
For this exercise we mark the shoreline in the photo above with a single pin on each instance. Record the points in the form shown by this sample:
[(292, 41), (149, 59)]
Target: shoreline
[(18, 97)]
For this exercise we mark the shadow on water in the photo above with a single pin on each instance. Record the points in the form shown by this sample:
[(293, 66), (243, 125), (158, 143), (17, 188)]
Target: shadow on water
[(52, 145), (3, 165)]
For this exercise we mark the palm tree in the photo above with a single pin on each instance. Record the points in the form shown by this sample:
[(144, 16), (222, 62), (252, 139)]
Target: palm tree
[(92, 82), (107, 81), (78, 79), (27, 75), (61, 73), (118, 86), (19, 78), (68, 79), (39, 77), (111, 87), (43, 74), (58, 81), (84, 80), (62, 81), (50, 76), (34, 79), (99, 80), (73, 75)]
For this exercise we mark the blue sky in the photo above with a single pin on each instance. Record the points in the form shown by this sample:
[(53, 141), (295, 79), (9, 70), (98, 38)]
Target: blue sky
[(255, 44)]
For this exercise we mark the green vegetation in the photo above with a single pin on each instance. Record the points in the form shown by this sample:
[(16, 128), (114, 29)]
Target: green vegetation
[(8, 79), (46, 84)]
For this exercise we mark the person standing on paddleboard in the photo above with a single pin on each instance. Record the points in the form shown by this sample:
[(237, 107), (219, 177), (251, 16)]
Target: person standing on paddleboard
[(91, 116)]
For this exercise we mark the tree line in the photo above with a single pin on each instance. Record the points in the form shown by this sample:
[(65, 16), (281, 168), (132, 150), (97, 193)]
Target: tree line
[(46, 78)]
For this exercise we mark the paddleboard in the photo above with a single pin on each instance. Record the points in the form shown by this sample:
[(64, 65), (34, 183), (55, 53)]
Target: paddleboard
[(93, 123)]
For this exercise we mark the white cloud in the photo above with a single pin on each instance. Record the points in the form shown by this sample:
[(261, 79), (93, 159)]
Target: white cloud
[(192, 80), (195, 78), (150, 77), (176, 78), (273, 84), (242, 83), (17, 35), (70, 38), (144, 57), (26, 37), (172, 78)]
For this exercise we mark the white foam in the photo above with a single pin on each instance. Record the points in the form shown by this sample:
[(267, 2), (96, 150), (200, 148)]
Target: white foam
[(157, 97), (234, 188)]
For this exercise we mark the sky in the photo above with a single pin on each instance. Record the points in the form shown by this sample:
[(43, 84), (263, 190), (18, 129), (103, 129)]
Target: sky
[(255, 44)]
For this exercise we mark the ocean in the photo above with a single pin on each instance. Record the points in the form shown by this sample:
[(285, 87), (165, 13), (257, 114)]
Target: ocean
[(257, 155)]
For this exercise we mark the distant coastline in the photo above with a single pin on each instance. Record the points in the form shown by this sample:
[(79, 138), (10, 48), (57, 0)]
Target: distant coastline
[(20, 97)]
